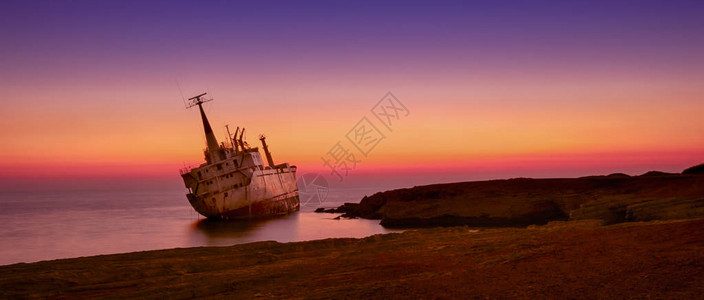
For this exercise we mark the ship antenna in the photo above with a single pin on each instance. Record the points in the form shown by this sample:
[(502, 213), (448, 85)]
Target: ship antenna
[(210, 139), (181, 91), (197, 100)]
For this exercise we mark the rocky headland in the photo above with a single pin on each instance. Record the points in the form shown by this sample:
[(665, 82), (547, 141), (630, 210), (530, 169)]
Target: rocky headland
[(521, 202)]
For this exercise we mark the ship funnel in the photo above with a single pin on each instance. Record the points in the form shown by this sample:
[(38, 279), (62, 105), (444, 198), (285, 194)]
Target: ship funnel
[(266, 150)]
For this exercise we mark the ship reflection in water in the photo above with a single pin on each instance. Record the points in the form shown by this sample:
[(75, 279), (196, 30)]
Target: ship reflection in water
[(299, 226)]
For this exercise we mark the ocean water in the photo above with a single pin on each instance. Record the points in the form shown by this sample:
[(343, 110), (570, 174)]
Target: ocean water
[(53, 224)]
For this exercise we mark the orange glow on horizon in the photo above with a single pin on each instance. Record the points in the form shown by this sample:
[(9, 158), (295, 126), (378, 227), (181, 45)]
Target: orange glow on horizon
[(485, 119)]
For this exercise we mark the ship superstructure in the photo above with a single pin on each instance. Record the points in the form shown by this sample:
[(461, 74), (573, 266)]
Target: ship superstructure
[(234, 182)]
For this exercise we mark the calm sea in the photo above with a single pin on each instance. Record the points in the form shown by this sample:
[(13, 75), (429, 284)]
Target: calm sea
[(45, 225)]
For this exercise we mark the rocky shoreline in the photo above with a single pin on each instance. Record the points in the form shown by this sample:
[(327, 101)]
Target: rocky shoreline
[(598, 237), (522, 202)]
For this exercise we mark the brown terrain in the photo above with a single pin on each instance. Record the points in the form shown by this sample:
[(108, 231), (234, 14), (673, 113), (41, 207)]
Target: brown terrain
[(620, 241), (576, 259)]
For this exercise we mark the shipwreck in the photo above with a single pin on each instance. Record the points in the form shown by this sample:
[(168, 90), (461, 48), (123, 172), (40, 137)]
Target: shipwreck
[(233, 182)]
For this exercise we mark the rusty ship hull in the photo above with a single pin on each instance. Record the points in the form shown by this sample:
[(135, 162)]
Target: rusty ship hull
[(271, 192)]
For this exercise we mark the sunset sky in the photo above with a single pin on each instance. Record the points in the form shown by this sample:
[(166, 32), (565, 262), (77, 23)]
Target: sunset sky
[(92, 89)]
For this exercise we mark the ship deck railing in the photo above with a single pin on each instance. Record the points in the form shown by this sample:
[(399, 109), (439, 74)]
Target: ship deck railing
[(187, 169)]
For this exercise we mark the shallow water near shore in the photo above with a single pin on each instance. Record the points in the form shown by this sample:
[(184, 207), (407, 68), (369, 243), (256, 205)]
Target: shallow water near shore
[(49, 225)]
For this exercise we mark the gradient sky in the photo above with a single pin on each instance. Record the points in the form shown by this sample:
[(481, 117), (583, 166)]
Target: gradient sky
[(494, 89)]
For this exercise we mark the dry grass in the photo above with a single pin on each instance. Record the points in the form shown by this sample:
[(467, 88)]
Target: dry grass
[(576, 259)]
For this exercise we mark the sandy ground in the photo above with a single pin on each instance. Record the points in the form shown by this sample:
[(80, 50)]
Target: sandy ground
[(576, 259)]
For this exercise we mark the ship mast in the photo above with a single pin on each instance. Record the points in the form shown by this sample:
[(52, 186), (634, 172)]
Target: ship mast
[(212, 143)]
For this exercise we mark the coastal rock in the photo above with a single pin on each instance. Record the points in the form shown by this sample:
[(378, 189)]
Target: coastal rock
[(354, 210), (522, 202), (326, 210), (698, 169), (657, 173)]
